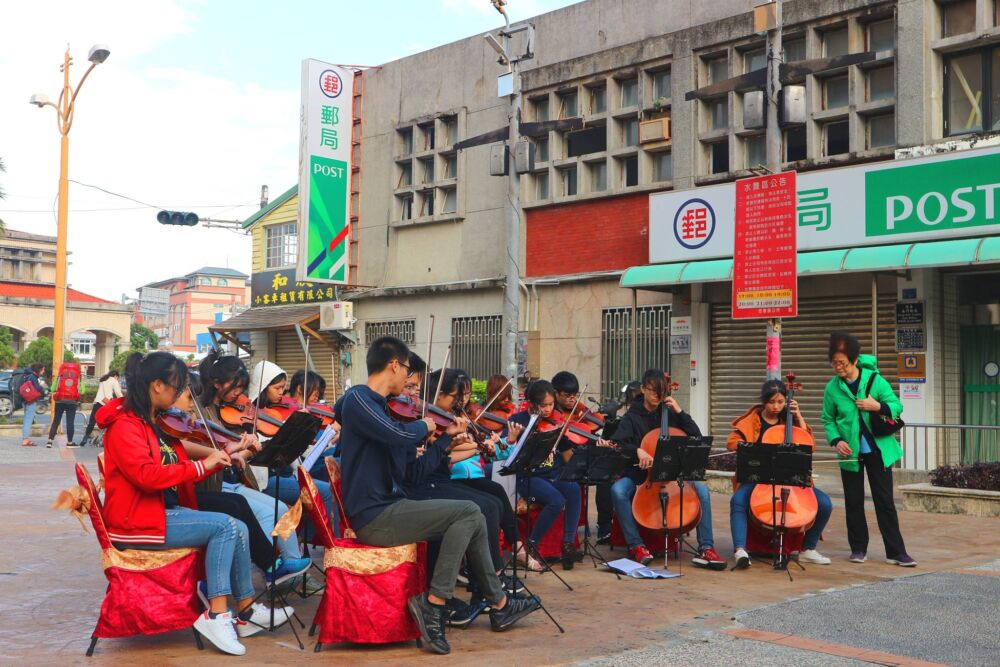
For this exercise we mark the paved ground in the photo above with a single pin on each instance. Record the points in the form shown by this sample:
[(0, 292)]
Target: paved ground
[(842, 614)]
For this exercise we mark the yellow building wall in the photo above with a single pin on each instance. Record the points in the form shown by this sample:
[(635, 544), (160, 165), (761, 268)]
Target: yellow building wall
[(287, 212)]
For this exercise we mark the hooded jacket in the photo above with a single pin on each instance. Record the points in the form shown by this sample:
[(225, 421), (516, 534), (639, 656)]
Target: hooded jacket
[(135, 477), (262, 375), (747, 428), (636, 423), (840, 414)]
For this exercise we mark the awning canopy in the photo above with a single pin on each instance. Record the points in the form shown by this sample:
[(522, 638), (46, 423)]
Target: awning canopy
[(268, 319), (952, 252)]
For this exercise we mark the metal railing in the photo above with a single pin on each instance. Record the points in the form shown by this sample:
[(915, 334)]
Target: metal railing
[(926, 446)]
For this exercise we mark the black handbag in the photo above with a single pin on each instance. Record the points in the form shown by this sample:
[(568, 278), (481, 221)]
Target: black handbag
[(880, 424)]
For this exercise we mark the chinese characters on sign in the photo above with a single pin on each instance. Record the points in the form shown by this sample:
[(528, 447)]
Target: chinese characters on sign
[(279, 288), (764, 260)]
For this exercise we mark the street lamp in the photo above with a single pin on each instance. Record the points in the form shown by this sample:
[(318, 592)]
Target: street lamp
[(65, 107)]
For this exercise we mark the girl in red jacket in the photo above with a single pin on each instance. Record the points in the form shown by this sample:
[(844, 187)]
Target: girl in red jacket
[(150, 501)]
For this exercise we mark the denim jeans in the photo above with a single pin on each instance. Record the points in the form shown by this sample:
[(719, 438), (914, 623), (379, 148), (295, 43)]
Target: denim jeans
[(622, 492), (739, 505), (227, 553), (554, 496), (262, 506), (30, 409), (289, 493)]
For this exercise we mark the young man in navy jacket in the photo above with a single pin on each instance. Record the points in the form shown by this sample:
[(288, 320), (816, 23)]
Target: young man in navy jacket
[(374, 450)]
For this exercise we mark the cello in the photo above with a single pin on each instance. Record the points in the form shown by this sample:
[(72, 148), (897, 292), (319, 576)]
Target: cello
[(681, 514), (778, 508)]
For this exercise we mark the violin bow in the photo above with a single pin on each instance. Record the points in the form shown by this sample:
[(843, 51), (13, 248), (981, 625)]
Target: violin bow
[(444, 367), (430, 342), (492, 400), (204, 422), (256, 404), (305, 380)]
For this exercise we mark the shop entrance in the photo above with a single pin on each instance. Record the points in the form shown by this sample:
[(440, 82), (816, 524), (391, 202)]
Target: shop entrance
[(980, 355)]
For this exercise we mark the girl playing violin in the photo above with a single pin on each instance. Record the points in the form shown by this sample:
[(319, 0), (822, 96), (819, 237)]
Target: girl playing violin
[(150, 499), (316, 385), (750, 427)]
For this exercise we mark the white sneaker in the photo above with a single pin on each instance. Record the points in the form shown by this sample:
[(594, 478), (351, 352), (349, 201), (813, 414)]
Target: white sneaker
[(742, 559), (221, 632), (261, 619), (813, 556)]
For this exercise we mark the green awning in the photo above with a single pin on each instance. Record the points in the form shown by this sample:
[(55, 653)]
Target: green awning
[(952, 252)]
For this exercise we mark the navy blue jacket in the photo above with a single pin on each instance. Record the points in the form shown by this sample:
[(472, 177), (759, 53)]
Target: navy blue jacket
[(373, 453)]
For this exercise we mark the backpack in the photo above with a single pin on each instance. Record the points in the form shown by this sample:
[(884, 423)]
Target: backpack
[(28, 391), (68, 382)]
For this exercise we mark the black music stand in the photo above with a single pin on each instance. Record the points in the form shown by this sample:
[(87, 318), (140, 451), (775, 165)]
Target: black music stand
[(288, 444), (532, 450), (679, 458), (589, 466), (777, 465)]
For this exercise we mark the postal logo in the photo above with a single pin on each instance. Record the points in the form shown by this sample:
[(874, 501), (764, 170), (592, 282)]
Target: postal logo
[(694, 223), (330, 83)]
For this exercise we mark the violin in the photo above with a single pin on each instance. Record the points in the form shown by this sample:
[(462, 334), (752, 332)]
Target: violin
[(178, 424), (791, 509), (592, 421), (321, 410), (407, 409), (576, 433), (646, 506), (242, 413)]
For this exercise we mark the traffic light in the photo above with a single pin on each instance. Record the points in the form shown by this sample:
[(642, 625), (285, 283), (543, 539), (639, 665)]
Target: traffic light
[(177, 218)]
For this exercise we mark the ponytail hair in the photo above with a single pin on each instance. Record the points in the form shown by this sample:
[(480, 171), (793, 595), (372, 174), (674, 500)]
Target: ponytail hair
[(228, 370), (141, 371), (109, 374)]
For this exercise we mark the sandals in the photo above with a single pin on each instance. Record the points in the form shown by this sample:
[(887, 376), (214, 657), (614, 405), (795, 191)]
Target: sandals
[(524, 558), (28, 443)]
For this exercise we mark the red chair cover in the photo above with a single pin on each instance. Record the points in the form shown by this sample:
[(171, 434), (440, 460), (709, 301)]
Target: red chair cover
[(550, 545), (149, 592), (759, 541)]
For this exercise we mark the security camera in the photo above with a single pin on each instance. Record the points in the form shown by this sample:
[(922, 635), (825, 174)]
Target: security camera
[(98, 54), (40, 100)]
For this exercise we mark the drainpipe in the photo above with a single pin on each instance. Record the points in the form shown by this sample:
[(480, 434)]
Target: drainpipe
[(534, 300), (875, 315), (527, 308)]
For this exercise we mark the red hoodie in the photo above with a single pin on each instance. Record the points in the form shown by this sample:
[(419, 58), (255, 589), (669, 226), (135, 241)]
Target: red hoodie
[(135, 477)]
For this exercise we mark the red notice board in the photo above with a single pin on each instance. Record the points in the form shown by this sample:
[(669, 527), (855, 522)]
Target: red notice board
[(764, 267)]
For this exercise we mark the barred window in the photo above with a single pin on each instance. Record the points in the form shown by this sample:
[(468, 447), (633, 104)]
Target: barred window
[(652, 345), (401, 329), (281, 244), (476, 344)]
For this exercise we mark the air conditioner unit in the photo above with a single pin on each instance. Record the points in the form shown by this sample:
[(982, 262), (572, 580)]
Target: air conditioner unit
[(654, 130), (336, 316)]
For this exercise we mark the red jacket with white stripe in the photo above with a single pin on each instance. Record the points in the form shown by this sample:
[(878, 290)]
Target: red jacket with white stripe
[(135, 477)]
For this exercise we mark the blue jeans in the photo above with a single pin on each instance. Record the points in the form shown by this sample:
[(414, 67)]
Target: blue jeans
[(739, 506), (227, 553), (622, 492), (262, 506), (554, 496), (289, 494), (29, 418)]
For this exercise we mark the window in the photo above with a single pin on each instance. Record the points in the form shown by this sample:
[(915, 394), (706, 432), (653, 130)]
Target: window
[(427, 167), (598, 99), (476, 344), (718, 157), (881, 35), (451, 166), (222, 282), (630, 132), (835, 93), (541, 108), (451, 130), (428, 132), (882, 131), (629, 167), (754, 59), (881, 83), (957, 17), (593, 139), (568, 105), (405, 207), (652, 349), (795, 144), (427, 203), (405, 175), (450, 204), (542, 149), (835, 43), (661, 85), (630, 92), (568, 176), (542, 186), (718, 69), (965, 91), (719, 110), (755, 150), (598, 176), (204, 281), (404, 330), (794, 49), (406, 140), (837, 137), (663, 166), (280, 245)]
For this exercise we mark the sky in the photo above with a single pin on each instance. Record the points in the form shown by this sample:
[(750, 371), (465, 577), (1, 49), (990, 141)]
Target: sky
[(194, 110)]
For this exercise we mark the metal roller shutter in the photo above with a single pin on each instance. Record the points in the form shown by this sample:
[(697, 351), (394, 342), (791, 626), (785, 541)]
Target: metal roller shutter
[(289, 355), (738, 354)]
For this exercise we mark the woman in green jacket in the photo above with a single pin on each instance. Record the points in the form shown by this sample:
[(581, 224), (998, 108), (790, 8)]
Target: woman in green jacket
[(847, 411)]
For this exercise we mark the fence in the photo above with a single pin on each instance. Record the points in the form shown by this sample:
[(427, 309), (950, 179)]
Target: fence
[(926, 446)]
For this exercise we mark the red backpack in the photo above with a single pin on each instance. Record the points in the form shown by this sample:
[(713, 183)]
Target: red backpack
[(68, 382), (28, 391)]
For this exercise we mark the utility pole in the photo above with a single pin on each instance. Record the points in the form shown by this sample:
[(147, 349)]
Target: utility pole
[(773, 137)]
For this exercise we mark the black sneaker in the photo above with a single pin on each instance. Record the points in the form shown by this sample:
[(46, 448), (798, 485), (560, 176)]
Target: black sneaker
[(570, 556), (603, 536), (72, 445), (461, 614), (513, 611), (430, 620), (510, 585)]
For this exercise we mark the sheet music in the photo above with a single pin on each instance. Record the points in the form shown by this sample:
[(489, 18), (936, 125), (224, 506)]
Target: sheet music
[(520, 441), (318, 447)]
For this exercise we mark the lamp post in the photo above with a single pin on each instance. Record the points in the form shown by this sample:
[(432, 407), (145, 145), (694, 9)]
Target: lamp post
[(65, 107)]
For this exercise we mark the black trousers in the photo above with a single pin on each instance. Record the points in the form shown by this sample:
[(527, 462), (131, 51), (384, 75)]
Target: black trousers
[(236, 506), (605, 508), (92, 422), (488, 505), (508, 522), (880, 481), (68, 409)]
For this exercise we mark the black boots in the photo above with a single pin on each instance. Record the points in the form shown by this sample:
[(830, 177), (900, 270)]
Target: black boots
[(570, 556)]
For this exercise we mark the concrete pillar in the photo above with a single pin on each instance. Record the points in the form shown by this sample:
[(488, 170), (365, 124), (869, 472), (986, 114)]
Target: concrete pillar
[(104, 352), (920, 404)]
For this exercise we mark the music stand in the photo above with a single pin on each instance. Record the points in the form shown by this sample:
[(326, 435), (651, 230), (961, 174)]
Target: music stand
[(777, 465), (589, 466), (288, 444), (679, 459), (531, 451)]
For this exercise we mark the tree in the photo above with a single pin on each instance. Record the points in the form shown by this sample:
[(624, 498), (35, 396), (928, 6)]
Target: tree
[(118, 363), (7, 355), (40, 350), (143, 338)]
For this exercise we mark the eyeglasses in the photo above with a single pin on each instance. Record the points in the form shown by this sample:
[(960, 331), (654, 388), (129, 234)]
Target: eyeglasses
[(837, 363), (409, 372)]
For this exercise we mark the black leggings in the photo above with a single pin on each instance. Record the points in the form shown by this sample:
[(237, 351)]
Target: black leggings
[(69, 409), (488, 505), (508, 522), (92, 422), (234, 505)]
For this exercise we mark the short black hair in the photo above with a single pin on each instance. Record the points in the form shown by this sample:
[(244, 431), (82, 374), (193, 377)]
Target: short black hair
[(845, 343), (315, 381), (417, 365), (565, 382), (537, 391), (383, 351), (657, 380), (770, 388)]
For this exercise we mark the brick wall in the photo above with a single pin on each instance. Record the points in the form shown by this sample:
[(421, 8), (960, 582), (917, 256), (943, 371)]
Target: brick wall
[(600, 235)]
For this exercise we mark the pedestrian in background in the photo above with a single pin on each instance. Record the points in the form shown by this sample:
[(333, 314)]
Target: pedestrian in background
[(107, 390), (39, 391), (66, 392)]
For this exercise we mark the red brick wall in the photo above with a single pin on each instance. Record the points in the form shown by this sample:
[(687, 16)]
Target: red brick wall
[(600, 235)]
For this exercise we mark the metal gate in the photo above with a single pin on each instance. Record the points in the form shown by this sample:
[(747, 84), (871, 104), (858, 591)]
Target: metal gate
[(738, 364), (476, 345), (652, 345), (290, 356), (981, 392), (401, 329)]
